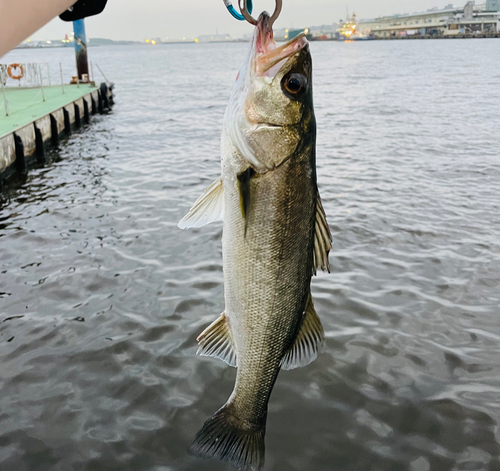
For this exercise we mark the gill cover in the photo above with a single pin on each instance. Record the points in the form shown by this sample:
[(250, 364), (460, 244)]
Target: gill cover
[(265, 111)]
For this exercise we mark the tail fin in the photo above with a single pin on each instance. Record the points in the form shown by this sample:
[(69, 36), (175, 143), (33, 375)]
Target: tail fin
[(224, 437)]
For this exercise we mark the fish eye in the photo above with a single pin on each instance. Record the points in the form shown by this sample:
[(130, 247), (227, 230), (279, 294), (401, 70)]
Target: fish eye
[(294, 84)]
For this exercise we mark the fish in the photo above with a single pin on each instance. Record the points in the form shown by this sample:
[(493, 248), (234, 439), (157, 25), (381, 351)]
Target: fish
[(275, 237)]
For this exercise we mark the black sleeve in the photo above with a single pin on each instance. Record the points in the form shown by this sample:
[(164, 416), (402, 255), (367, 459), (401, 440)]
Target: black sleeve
[(82, 9)]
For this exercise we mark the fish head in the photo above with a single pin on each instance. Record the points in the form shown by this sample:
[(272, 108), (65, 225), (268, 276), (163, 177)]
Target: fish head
[(271, 107)]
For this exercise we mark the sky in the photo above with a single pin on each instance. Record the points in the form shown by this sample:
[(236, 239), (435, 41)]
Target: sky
[(141, 19)]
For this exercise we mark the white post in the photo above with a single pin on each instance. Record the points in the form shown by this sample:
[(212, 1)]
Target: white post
[(92, 70), (48, 71), (6, 103), (62, 81), (41, 81)]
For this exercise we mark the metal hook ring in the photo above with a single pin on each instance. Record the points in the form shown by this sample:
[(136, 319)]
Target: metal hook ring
[(233, 11), (277, 11), (246, 12)]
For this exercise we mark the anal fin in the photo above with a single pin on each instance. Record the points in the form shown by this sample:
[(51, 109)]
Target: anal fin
[(322, 239), (309, 341), (216, 341), (209, 207)]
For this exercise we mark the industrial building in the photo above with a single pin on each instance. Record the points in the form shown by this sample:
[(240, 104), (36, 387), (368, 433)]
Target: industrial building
[(468, 20)]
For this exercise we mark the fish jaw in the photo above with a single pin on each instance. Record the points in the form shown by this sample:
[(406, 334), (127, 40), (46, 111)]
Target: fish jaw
[(266, 54), (254, 119), (269, 62)]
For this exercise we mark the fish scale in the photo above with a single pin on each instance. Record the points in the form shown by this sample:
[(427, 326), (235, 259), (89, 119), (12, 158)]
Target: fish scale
[(275, 236)]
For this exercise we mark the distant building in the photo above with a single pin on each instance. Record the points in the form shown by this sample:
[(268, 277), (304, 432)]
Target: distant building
[(214, 38), (492, 5), (323, 32), (451, 20), (313, 33)]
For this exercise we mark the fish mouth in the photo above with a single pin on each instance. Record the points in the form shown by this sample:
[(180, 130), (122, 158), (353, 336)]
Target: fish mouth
[(268, 60), (259, 126), (267, 54), (269, 126)]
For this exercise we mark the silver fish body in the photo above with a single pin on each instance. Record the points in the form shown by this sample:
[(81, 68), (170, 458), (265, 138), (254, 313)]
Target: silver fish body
[(275, 235), (268, 263)]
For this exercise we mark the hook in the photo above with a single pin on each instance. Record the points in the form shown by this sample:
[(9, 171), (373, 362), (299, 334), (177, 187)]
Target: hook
[(246, 14), (233, 12), (246, 11), (277, 11)]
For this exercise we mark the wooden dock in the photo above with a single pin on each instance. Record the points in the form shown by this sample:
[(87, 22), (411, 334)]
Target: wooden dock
[(36, 117)]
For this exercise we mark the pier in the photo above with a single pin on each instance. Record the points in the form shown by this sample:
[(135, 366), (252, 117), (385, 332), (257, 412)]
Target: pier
[(33, 118), (34, 112)]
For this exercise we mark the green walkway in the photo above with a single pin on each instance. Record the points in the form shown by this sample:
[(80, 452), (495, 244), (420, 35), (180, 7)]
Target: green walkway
[(26, 104)]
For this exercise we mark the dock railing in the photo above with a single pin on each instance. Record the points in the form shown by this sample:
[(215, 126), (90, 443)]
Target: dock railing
[(28, 75), (36, 76)]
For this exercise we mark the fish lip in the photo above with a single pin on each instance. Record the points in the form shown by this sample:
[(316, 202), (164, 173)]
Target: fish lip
[(264, 125), (270, 59)]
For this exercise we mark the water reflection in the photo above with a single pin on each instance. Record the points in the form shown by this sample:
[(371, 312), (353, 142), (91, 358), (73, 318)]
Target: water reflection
[(410, 375)]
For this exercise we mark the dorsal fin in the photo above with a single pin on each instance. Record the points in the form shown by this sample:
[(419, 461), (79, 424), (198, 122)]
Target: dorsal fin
[(217, 341), (309, 341), (322, 239), (209, 207)]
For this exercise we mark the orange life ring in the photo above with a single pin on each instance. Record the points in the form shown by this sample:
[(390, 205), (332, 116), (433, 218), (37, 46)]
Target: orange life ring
[(15, 66)]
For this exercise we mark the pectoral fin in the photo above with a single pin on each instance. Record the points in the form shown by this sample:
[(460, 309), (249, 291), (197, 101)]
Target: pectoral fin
[(217, 341), (308, 343), (322, 239), (209, 207), (244, 179)]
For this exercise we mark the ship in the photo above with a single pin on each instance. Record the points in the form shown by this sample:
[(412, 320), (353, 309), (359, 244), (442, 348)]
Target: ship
[(347, 28), (348, 31)]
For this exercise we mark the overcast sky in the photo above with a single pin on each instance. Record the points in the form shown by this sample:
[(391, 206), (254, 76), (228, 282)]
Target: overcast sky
[(141, 19)]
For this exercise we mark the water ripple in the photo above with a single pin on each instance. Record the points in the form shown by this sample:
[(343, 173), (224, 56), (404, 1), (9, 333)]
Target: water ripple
[(102, 297)]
